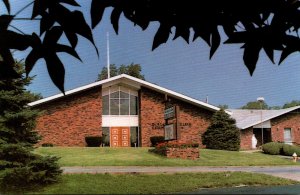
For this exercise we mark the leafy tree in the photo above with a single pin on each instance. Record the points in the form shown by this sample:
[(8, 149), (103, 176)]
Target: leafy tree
[(275, 107), (132, 70), (222, 134), (224, 106), (255, 105), (19, 167), (291, 104), (271, 25), (113, 72)]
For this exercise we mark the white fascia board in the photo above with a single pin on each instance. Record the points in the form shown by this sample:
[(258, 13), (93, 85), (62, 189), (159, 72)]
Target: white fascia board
[(139, 83), (174, 94), (98, 83)]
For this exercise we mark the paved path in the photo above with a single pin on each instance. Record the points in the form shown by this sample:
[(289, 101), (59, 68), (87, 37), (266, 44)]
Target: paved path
[(289, 172)]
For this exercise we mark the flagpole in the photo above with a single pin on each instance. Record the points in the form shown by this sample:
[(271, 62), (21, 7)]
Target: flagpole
[(108, 63)]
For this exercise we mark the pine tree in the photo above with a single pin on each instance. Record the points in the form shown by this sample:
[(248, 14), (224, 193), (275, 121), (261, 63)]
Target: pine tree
[(19, 167), (222, 134)]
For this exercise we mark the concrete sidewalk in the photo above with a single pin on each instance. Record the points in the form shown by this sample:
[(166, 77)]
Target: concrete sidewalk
[(288, 172)]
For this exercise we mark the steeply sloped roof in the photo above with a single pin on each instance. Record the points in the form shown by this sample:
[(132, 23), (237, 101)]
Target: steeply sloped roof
[(248, 118), (139, 82)]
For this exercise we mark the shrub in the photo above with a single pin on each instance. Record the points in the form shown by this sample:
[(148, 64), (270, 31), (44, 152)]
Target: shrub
[(273, 148), (156, 139), (222, 134), (47, 145), (93, 141), (288, 150)]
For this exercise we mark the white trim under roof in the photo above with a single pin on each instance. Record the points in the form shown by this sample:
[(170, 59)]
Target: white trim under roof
[(135, 81)]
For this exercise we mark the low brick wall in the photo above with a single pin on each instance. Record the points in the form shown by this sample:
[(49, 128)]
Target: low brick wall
[(184, 153)]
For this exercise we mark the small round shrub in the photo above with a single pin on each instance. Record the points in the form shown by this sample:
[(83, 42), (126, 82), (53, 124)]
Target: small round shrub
[(273, 148), (93, 141), (156, 139), (47, 145), (288, 150)]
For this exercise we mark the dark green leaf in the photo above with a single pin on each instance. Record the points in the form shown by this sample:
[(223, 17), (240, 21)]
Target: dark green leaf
[(67, 49), (97, 10), (7, 5), (46, 23), (203, 33), (70, 2), (81, 27), (270, 53), (238, 37), (56, 71), (12, 40), (215, 42), (115, 15), (72, 37), (251, 54), (5, 21), (161, 36), (52, 36), (182, 31), (39, 7), (31, 59), (285, 53)]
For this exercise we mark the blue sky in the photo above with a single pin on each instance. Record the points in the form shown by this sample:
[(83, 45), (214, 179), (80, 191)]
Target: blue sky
[(176, 65)]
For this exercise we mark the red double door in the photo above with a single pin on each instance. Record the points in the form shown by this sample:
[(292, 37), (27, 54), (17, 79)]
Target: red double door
[(120, 136)]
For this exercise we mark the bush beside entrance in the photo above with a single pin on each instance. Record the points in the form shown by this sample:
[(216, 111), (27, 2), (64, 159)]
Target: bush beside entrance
[(276, 148)]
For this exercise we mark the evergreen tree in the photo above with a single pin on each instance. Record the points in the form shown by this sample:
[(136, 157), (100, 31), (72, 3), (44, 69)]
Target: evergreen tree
[(19, 167), (222, 134)]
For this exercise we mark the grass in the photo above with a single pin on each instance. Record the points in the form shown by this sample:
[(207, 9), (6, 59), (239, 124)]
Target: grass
[(153, 184), (85, 156)]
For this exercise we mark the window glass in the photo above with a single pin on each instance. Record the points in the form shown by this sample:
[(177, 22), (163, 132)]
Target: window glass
[(114, 95), (114, 106), (287, 134), (106, 136), (105, 105), (133, 105), (124, 95), (124, 106)]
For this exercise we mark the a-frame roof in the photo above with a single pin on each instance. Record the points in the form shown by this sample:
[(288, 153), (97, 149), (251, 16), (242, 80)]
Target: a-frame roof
[(135, 81)]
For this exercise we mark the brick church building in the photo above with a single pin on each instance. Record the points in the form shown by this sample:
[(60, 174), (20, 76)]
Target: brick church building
[(127, 111)]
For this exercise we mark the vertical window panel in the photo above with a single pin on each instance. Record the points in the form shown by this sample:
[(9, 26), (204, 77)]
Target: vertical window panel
[(114, 107), (105, 105), (133, 105), (124, 106)]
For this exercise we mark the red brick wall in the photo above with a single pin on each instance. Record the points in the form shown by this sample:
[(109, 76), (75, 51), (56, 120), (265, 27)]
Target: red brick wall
[(193, 120), (246, 138), (290, 120), (66, 121)]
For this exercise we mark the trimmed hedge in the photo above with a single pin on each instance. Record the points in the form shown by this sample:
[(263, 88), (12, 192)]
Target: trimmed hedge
[(93, 141), (273, 148), (288, 150), (47, 145), (276, 148), (156, 139)]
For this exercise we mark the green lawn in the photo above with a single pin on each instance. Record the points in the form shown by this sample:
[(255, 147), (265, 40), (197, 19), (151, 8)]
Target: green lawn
[(85, 156), (153, 184)]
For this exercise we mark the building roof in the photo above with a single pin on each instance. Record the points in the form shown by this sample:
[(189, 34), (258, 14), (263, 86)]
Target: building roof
[(136, 81), (248, 118)]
